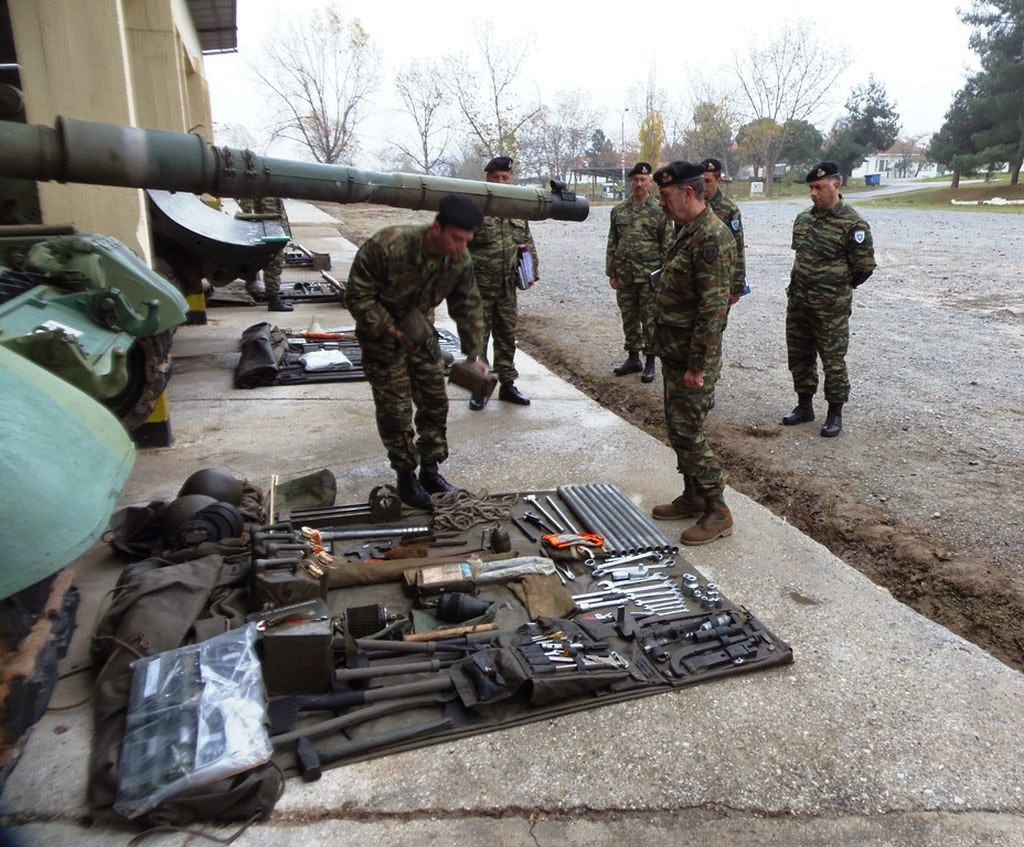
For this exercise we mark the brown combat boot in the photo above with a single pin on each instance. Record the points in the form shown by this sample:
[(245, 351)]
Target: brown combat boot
[(716, 522), (686, 505)]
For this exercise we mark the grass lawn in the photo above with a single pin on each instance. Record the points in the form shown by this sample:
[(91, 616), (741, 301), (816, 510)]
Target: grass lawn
[(940, 197)]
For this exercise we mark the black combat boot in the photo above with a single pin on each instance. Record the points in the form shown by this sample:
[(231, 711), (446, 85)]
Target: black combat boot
[(648, 374), (630, 366), (433, 482), (411, 492), (833, 421), (510, 394), (802, 413), (279, 304)]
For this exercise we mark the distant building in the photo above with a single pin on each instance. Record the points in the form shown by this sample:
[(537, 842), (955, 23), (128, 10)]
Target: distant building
[(906, 159)]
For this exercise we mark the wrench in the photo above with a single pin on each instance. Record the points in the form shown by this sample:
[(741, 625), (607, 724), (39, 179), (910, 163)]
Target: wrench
[(533, 501), (621, 560), (538, 521), (656, 579), (635, 572), (561, 514)]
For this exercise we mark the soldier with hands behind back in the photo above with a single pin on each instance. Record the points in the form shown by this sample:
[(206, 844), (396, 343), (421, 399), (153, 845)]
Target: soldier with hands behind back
[(834, 254), (637, 237)]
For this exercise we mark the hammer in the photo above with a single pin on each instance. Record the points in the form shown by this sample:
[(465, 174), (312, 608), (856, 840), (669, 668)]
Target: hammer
[(284, 713), (312, 758)]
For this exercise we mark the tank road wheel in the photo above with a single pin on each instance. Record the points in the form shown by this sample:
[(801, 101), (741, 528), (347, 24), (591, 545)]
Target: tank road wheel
[(149, 371)]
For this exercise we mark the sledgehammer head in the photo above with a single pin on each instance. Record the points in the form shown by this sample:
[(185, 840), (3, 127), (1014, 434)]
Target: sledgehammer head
[(309, 760)]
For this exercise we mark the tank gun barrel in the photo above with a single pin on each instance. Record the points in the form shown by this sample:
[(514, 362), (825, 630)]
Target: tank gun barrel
[(105, 154)]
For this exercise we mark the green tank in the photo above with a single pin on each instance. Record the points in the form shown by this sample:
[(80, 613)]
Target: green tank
[(89, 310)]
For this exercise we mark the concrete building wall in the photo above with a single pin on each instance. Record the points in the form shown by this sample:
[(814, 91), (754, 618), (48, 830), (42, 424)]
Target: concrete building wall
[(132, 62)]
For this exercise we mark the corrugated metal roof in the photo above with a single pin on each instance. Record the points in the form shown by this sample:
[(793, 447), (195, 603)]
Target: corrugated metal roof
[(216, 23)]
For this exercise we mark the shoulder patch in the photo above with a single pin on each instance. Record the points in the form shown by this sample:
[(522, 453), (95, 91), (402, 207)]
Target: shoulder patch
[(859, 235), (709, 252), (735, 223)]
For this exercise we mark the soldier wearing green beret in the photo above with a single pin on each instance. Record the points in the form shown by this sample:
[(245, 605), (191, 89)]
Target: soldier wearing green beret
[(397, 279), (691, 303), (495, 251), (637, 237), (834, 254)]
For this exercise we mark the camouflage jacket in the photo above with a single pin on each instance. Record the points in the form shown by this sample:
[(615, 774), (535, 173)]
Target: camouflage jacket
[(833, 248), (637, 238), (392, 274), (692, 297), (263, 206), (729, 214), (495, 251)]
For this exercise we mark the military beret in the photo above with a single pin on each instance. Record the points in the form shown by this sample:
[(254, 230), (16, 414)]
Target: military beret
[(498, 163), (822, 170), (460, 211), (712, 166), (639, 169), (676, 172)]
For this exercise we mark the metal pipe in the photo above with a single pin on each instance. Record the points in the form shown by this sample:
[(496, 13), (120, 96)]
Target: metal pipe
[(666, 545), (611, 518), (582, 510), (629, 513), (384, 532), (562, 515), (105, 154), (612, 510)]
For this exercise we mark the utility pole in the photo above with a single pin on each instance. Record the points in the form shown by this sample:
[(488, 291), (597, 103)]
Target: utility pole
[(622, 149)]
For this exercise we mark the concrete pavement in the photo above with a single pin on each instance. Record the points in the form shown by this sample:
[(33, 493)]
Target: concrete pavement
[(887, 729)]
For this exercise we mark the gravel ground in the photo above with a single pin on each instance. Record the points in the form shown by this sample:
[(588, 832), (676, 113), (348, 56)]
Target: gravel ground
[(924, 489)]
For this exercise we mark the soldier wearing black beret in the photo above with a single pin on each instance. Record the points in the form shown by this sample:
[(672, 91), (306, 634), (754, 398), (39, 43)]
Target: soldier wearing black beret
[(496, 252), (499, 163), (834, 255), (637, 238), (691, 305), (397, 278), (729, 214)]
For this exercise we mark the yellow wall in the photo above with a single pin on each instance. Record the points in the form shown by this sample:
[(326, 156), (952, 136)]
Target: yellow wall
[(133, 62)]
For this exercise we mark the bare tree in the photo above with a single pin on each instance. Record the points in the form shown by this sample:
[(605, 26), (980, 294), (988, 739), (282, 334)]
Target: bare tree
[(787, 81), (558, 137), (319, 73), (422, 92), (486, 96)]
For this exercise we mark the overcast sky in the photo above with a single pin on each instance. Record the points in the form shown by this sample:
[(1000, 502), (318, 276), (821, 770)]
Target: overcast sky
[(916, 48)]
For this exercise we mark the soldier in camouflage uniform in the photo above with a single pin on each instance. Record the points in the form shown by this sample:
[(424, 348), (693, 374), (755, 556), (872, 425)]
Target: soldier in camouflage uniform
[(272, 272), (834, 254), (637, 237), (691, 304), (495, 252), (397, 279), (729, 214)]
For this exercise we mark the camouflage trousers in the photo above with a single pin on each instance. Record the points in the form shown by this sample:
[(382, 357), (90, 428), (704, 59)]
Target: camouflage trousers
[(818, 324), (272, 272), (400, 380), (636, 304), (501, 315), (685, 411)]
